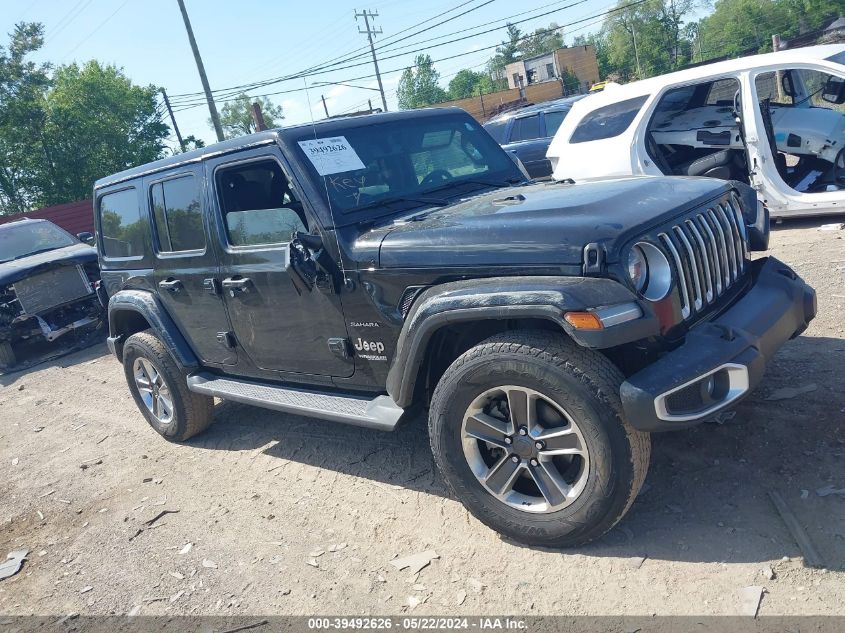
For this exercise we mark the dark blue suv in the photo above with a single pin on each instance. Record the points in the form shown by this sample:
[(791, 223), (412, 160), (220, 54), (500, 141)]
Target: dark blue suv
[(527, 132)]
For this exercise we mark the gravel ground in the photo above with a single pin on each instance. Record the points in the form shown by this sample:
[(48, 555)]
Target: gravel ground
[(275, 514)]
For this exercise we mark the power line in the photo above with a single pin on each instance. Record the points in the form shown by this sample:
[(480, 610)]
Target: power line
[(348, 56), (68, 18), (370, 31), (99, 26), (228, 92), (189, 105)]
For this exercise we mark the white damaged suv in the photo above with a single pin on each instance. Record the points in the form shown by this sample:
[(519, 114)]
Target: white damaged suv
[(775, 121)]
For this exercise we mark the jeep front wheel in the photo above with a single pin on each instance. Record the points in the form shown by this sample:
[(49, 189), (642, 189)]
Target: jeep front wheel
[(528, 431), (160, 389)]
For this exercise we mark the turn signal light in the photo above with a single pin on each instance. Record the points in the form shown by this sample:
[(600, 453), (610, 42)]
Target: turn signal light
[(584, 320)]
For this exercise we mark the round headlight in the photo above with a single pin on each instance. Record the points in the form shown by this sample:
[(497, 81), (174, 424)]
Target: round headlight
[(649, 271), (637, 268)]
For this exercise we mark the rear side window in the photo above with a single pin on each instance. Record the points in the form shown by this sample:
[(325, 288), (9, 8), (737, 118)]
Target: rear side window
[(553, 121), (177, 214), (120, 224), (526, 128), (607, 122)]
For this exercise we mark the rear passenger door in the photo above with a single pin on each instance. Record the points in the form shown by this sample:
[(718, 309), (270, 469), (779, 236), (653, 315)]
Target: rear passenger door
[(186, 264), (257, 211), (527, 143)]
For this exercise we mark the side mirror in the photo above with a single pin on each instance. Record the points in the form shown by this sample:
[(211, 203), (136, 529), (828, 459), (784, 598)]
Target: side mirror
[(834, 90), (85, 236)]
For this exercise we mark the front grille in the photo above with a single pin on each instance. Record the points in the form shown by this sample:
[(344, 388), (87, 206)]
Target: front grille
[(709, 254), (52, 288)]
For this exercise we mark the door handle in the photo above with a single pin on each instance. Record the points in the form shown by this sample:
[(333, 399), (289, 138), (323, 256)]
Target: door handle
[(236, 285), (171, 285)]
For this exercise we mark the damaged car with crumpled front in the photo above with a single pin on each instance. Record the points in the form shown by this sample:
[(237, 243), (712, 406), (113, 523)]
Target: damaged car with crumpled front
[(49, 289)]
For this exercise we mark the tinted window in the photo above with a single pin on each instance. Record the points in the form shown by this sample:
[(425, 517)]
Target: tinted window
[(120, 224), (177, 214), (496, 129), (526, 128), (607, 122), (258, 204), (553, 121)]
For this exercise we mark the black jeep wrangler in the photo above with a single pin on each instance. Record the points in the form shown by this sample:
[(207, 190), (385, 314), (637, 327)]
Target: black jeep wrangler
[(353, 269)]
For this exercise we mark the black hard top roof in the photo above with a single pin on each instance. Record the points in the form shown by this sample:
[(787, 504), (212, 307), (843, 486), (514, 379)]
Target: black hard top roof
[(323, 128)]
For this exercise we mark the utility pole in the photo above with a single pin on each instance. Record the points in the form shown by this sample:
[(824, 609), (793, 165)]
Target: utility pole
[(258, 117), (636, 50), (325, 107), (370, 32), (173, 120), (212, 109)]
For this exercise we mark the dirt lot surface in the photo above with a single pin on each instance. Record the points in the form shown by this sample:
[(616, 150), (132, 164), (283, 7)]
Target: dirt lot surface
[(274, 514)]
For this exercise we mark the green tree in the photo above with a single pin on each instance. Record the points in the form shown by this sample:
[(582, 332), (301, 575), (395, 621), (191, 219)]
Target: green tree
[(507, 53), (22, 84), (647, 39), (469, 83), (236, 116), (97, 123), (542, 41), (418, 86), (736, 26)]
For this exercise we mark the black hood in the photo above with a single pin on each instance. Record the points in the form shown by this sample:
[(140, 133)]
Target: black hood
[(18, 269), (539, 224)]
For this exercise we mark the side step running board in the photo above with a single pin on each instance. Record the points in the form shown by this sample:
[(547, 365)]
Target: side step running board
[(379, 413)]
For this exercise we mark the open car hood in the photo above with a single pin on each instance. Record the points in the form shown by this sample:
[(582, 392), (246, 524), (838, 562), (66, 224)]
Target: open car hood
[(18, 269)]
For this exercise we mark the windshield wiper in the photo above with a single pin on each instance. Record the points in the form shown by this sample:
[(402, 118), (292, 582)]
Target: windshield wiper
[(438, 202)]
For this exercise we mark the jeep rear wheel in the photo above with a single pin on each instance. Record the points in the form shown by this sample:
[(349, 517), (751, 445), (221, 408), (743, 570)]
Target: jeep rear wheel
[(160, 389), (7, 355), (528, 431)]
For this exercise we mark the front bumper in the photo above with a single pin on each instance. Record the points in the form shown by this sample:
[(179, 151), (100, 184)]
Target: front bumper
[(722, 360)]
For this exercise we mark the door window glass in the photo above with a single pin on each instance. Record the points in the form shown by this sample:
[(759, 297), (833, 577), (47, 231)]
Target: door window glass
[(177, 215), (120, 224), (258, 204), (608, 121), (553, 121), (526, 128)]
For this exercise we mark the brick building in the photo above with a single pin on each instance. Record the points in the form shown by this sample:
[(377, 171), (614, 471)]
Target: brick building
[(578, 60)]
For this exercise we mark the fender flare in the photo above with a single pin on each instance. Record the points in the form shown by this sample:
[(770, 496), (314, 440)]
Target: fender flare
[(505, 298), (149, 307)]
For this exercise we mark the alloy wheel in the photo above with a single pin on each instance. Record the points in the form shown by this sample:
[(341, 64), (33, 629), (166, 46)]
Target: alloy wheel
[(525, 449)]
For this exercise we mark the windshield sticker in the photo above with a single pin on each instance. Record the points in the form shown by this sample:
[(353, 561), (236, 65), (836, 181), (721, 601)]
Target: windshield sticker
[(331, 155)]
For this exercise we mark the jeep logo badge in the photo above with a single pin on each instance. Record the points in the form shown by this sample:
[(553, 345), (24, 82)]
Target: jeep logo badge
[(369, 346)]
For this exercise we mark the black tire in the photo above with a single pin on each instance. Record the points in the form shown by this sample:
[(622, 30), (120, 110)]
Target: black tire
[(192, 412), (582, 382), (7, 355)]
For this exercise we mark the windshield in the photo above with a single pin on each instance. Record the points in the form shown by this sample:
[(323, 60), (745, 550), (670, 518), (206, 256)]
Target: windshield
[(379, 164), (29, 238)]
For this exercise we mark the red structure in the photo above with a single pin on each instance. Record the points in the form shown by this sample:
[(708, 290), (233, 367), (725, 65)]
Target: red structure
[(73, 217)]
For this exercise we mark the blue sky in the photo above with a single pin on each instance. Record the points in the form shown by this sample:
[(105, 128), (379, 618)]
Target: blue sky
[(253, 40)]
